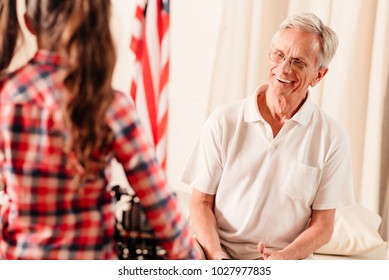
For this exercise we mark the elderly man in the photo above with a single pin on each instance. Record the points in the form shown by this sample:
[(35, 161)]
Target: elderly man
[(268, 171)]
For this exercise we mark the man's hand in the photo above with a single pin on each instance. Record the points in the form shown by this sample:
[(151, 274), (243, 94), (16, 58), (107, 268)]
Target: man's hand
[(219, 255), (268, 254), (317, 234)]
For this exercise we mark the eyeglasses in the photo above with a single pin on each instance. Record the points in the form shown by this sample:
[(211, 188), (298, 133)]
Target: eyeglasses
[(295, 63)]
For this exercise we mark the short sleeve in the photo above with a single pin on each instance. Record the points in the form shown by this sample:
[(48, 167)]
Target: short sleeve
[(336, 187), (203, 168)]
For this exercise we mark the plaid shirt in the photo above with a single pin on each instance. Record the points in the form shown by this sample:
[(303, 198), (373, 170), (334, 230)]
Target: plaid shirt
[(49, 216)]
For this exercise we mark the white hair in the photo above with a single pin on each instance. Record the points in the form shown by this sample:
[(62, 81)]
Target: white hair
[(309, 22)]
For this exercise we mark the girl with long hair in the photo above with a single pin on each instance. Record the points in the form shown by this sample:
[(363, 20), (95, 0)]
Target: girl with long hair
[(61, 124)]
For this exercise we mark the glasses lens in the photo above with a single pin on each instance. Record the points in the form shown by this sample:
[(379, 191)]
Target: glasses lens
[(298, 64), (277, 57), (294, 62)]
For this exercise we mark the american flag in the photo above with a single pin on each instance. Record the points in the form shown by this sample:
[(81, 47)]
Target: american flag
[(149, 86)]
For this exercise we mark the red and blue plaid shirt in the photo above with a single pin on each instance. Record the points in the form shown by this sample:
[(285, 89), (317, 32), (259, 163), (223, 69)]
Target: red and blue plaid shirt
[(47, 215)]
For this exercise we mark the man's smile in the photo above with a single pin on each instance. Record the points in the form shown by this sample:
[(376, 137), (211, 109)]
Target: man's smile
[(283, 80)]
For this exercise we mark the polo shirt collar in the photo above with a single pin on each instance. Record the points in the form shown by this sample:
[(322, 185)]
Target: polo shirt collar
[(252, 114), (304, 114), (251, 111)]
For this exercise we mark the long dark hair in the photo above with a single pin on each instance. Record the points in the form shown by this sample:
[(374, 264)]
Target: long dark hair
[(9, 33), (80, 31)]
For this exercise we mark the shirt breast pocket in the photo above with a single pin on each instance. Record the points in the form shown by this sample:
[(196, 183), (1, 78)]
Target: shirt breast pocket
[(302, 181)]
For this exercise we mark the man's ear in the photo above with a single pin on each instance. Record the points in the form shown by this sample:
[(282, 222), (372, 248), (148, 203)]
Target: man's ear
[(320, 75), (29, 24)]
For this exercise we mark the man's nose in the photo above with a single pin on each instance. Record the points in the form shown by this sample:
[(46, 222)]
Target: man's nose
[(286, 65)]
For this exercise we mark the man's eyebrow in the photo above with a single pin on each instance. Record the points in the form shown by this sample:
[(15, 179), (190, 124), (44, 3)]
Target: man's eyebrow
[(299, 58)]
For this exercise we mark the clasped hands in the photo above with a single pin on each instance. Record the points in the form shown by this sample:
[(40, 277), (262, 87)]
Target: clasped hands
[(266, 254)]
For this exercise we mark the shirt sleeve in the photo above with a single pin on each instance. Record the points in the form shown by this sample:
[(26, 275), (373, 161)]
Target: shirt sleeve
[(203, 168), (336, 187), (1, 153), (148, 180), (1, 172)]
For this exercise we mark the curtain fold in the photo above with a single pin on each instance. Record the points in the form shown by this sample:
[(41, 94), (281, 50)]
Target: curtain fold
[(375, 160), (243, 45), (230, 67)]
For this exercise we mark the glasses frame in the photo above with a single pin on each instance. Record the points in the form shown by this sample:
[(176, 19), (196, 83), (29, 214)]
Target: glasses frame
[(279, 57)]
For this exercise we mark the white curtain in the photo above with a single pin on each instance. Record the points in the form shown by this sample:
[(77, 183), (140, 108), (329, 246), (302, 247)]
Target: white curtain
[(355, 90)]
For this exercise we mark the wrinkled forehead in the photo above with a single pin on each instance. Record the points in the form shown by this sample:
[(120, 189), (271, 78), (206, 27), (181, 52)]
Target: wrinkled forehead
[(297, 43)]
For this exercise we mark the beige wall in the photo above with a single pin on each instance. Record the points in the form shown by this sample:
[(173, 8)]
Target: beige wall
[(194, 34)]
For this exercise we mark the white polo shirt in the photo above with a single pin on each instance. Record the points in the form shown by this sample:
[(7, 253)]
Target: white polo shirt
[(266, 187)]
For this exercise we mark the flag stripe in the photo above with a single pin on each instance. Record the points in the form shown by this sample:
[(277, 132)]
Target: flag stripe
[(149, 93), (149, 86), (164, 77)]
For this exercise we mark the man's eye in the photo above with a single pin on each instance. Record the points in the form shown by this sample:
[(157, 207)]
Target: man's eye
[(280, 55), (299, 63)]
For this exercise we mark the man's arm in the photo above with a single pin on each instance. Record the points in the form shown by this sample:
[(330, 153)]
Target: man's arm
[(204, 224), (317, 234)]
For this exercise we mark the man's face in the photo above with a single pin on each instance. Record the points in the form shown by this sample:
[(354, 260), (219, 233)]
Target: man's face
[(292, 76)]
